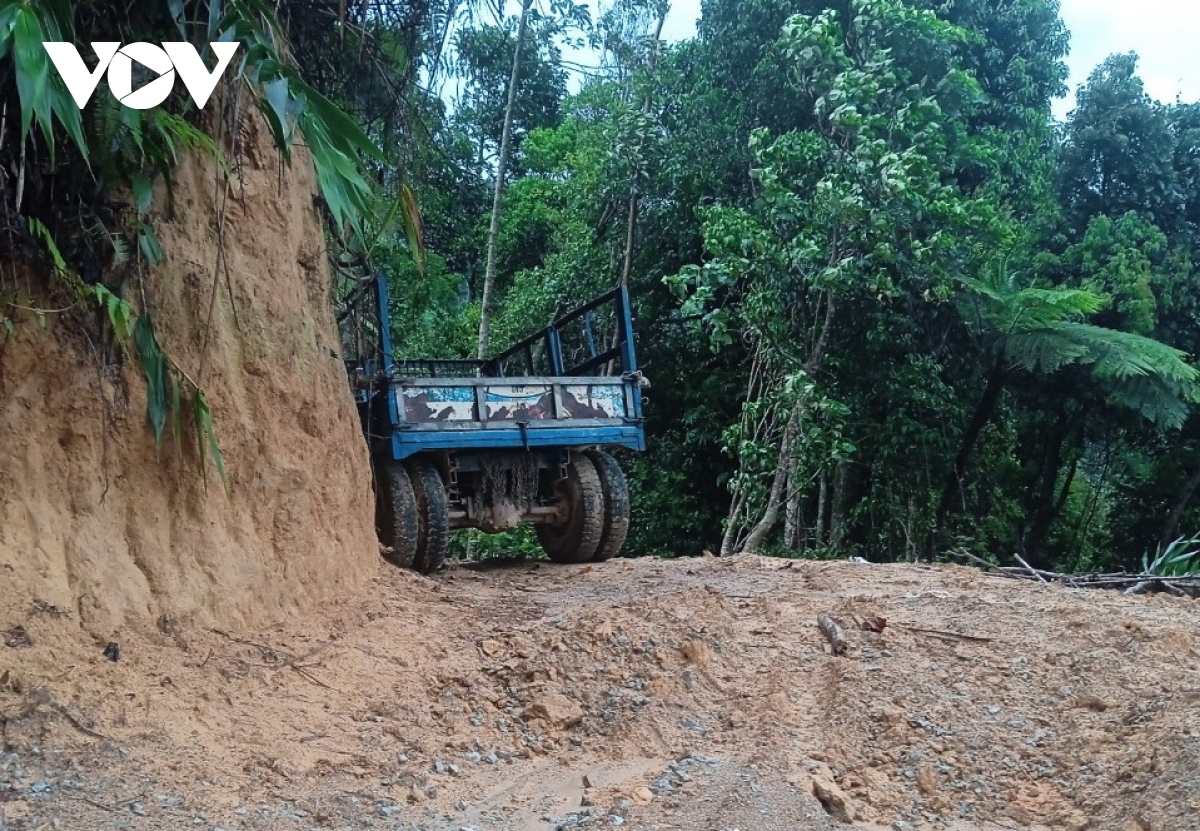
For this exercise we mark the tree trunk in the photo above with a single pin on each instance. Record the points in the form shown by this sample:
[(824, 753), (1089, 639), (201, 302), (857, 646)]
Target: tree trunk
[(631, 218), (1170, 531), (489, 276), (839, 503), (1049, 504), (729, 540), (451, 12), (822, 501), (634, 195), (979, 419), (1096, 484), (737, 505), (630, 233), (791, 515), (775, 498)]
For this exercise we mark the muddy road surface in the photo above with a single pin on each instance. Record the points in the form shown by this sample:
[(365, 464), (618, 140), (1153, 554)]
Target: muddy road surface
[(650, 694)]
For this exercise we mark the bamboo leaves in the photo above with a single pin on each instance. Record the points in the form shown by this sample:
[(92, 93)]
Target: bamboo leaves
[(340, 148), (154, 365), (206, 436), (165, 385), (45, 100), (129, 152), (120, 315)]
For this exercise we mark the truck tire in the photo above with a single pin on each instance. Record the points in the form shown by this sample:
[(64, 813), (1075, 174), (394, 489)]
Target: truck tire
[(396, 514), (616, 505), (577, 538), (433, 517)]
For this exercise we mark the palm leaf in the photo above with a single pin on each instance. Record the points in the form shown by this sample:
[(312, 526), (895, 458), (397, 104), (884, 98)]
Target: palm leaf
[(1044, 330)]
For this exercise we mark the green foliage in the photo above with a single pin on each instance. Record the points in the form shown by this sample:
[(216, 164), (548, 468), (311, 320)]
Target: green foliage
[(43, 235), (108, 151), (485, 57), (825, 188), (164, 398), (154, 364), (1180, 558), (1042, 330), (1124, 258), (852, 214), (1119, 152), (476, 546), (206, 437), (429, 314), (45, 101)]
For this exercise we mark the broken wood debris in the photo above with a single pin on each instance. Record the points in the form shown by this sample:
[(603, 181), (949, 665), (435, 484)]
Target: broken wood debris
[(942, 633), (281, 659), (833, 633), (1122, 581)]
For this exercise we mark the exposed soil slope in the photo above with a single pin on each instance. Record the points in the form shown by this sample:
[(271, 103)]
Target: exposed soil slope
[(692, 694), (92, 520)]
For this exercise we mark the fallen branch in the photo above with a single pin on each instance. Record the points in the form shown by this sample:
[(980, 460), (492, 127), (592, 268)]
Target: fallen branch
[(833, 633), (940, 633), (1029, 568), (96, 804), (282, 659), (303, 673), (979, 561), (1120, 581), (76, 723), (268, 653)]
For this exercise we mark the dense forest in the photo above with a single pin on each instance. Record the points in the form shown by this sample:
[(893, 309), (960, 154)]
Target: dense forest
[(889, 306)]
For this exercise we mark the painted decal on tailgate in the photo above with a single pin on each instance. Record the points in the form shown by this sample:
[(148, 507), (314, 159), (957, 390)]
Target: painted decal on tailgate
[(425, 404), (512, 402), (593, 401)]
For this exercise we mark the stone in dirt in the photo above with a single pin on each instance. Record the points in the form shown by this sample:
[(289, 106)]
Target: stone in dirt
[(834, 800), (555, 709)]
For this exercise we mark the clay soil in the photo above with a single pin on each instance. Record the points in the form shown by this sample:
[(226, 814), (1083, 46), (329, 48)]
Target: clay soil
[(685, 694), (95, 519)]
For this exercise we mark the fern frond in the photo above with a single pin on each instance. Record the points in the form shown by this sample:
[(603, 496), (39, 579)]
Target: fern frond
[(1046, 349)]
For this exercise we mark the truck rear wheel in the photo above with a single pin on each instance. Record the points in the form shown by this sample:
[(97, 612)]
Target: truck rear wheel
[(433, 517), (396, 514), (616, 505), (576, 538)]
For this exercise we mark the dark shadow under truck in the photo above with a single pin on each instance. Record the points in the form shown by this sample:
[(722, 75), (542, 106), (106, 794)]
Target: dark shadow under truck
[(488, 444)]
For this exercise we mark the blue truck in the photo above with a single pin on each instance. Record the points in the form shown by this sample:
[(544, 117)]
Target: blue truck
[(523, 437)]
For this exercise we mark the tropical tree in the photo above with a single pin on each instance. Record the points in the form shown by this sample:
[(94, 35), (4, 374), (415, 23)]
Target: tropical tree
[(855, 216), (1044, 331), (1119, 151)]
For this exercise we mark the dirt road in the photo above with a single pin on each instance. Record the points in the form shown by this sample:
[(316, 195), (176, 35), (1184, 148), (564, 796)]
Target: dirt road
[(686, 694)]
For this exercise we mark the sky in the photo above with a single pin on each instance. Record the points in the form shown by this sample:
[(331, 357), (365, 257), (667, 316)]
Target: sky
[(1164, 33)]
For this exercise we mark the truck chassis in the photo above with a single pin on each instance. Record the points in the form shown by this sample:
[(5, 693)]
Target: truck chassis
[(469, 444)]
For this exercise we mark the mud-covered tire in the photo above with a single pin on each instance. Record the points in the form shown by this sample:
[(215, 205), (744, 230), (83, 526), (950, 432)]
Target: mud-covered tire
[(615, 487), (433, 517), (577, 538), (396, 514)]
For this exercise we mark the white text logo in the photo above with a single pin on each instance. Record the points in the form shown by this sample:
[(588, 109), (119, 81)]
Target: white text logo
[(118, 61)]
